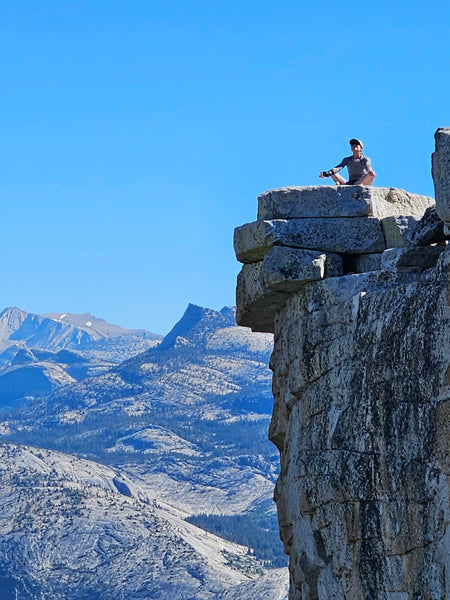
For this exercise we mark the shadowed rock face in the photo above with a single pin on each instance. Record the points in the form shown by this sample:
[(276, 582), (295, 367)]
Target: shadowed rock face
[(361, 388)]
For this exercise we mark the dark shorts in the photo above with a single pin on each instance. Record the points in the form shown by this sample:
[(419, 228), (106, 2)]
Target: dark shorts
[(351, 182)]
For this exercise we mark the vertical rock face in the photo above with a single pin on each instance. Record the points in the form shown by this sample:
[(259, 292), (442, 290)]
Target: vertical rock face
[(441, 173), (361, 380), (361, 421)]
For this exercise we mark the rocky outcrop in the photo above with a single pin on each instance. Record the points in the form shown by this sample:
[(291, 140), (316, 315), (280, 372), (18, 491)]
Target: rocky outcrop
[(311, 233), (361, 387), (440, 162)]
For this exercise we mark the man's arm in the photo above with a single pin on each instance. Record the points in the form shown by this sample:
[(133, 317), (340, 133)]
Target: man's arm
[(369, 168), (334, 170)]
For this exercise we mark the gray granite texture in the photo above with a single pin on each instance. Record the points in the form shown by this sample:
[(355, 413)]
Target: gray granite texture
[(440, 166), (297, 202), (304, 234), (361, 418)]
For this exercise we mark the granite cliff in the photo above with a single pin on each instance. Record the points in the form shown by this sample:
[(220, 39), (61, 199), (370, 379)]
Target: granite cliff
[(354, 283)]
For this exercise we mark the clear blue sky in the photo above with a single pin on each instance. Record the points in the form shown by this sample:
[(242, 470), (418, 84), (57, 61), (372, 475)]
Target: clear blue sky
[(136, 135)]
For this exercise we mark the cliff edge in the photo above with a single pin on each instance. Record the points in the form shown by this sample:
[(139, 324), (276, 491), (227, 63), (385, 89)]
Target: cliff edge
[(354, 283)]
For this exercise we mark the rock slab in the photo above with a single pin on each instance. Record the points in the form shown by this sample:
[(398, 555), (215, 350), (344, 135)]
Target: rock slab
[(358, 235), (297, 202)]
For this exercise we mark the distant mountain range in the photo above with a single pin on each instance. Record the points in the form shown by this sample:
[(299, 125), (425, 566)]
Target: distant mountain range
[(57, 331), (39, 353), (181, 432)]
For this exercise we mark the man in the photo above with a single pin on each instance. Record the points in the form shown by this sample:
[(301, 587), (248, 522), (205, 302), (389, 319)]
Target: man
[(360, 170)]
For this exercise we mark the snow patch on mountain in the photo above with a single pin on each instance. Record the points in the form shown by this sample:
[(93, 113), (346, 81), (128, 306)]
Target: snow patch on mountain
[(55, 331)]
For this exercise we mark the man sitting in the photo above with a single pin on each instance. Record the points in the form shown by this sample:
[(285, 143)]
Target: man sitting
[(360, 170)]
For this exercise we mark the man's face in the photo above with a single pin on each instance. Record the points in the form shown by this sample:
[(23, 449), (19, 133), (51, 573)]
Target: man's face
[(356, 149)]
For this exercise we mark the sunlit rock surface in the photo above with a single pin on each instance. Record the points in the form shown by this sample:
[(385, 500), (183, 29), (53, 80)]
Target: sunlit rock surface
[(441, 173), (310, 233), (361, 420)]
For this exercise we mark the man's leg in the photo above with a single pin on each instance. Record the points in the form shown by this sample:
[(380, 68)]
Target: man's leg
[(338, 179), (367, 179)]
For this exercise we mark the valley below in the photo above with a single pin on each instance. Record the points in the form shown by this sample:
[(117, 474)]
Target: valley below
[(150, 477)]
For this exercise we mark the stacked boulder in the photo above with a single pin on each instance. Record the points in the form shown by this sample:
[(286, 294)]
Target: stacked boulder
[(305, 234)]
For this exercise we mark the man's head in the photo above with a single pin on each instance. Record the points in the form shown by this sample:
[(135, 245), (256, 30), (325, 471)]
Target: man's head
[(356, 142), (357, 147)]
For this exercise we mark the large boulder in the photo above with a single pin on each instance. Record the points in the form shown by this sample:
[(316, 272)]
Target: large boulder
[(263, 287), (296, 202), (356, 235), (429, 230)]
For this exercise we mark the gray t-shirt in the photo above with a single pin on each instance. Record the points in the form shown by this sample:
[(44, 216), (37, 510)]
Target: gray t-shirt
[(357, 167)]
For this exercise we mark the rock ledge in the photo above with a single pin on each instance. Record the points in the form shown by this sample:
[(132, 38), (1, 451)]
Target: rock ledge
[(306, 234)]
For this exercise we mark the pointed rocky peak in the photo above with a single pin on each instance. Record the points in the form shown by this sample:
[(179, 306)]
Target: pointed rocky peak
[(13, 313), (196, 323)]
